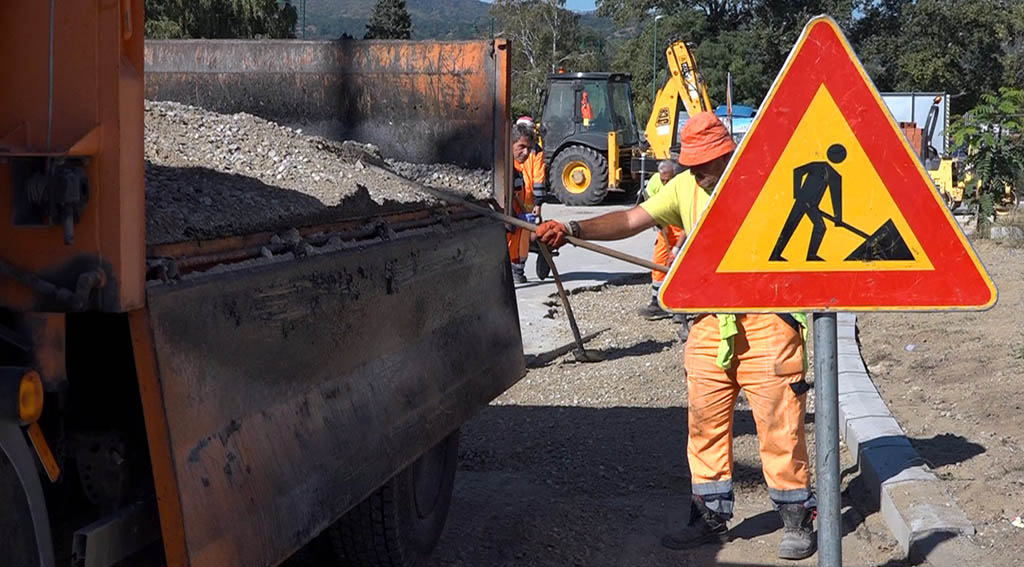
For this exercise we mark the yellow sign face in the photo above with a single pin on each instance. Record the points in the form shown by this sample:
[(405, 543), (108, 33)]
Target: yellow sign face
[(823, 208)]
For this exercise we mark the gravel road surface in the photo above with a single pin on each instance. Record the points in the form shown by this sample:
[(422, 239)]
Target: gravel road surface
[(953, 381), (584, 464)]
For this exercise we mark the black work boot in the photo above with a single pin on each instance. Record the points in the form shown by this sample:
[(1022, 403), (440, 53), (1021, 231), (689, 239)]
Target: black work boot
[(798, 539), (519, 273), (652, 311), (704, 526), (542, 267)]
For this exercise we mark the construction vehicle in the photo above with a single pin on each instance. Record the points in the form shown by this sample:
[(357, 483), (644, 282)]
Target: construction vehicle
[(948, 172), (590, 135), (684, 91), (189, 403), (591, 142)]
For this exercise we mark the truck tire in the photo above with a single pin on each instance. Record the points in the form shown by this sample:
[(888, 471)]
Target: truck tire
[(18, 544), (400, 523), (579, 176)]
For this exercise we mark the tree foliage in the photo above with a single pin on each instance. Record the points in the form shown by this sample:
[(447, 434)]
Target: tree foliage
[(954, 46), (545, 37), (992, 137), (216, 19), (963, 47), (750, 39), (390, 20)]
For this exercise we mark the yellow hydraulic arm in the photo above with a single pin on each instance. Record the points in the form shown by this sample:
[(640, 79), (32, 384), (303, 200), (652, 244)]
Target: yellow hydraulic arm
[(685, 85)]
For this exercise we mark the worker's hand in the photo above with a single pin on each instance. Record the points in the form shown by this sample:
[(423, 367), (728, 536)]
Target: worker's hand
[(536, 211), (552, 233)]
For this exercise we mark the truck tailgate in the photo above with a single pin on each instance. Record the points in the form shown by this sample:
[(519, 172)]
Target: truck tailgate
[(290, 390)]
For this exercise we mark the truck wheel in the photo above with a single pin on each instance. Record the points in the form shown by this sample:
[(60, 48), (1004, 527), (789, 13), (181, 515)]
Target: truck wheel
[(400, 523), (18, 544), (579, 176)]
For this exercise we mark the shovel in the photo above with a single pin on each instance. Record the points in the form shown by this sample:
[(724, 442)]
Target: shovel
[(580, 353), (886, 243)]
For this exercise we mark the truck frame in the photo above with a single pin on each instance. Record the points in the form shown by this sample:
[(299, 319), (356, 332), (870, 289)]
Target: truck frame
[(189, 403)]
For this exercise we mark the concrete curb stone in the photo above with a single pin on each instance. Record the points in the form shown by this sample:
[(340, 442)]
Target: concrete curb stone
[(920, 513)]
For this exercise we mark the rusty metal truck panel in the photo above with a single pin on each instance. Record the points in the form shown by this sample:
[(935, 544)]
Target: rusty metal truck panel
[(71, 109), (294, 389), (419, 101)]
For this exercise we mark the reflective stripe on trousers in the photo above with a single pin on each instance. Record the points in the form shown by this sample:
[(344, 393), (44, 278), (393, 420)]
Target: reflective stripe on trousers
[(768, 367)]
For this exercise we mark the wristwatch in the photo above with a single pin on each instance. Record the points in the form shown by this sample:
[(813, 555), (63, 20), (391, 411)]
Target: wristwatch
[(574, 228)]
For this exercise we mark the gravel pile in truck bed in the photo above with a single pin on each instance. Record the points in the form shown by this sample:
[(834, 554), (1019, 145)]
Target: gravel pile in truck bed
[(211, 175)]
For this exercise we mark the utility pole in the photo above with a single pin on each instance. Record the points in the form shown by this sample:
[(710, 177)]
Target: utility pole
[(654, 61)]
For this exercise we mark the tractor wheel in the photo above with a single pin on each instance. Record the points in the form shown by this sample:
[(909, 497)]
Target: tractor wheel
[(1008, 203), (579, 176)]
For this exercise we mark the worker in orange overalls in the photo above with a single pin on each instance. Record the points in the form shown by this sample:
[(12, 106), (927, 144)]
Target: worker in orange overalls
[(529, 165), (666, 243), (761, 354)]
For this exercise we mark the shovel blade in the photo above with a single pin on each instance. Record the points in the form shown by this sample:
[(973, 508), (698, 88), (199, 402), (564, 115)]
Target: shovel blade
[(886, 243), (583, 355)]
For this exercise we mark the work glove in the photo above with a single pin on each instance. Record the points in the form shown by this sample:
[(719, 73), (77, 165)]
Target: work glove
[(552, 233)]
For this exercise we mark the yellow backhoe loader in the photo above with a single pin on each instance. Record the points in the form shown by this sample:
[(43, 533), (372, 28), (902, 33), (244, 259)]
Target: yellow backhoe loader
[(685, 90)]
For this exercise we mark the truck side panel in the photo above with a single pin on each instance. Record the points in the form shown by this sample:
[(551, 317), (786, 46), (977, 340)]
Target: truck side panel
[(292, 390)]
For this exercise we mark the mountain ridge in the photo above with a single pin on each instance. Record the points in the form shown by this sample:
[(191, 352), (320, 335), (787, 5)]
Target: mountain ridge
[(431, 19)]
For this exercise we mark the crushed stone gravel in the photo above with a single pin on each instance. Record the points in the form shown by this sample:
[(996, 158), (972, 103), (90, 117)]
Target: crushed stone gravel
[(210, 175)]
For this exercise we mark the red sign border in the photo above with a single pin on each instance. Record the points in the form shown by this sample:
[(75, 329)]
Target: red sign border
[(823, 56)]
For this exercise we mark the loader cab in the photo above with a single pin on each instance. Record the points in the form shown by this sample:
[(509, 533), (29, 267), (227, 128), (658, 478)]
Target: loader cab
[(589, 132)]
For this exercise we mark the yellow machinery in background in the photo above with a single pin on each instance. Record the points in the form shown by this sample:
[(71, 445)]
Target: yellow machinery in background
[(949, 174), (590, 133), (685, 90)]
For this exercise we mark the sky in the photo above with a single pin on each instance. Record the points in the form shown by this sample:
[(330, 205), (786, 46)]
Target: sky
[(577, 5), (581, 5)]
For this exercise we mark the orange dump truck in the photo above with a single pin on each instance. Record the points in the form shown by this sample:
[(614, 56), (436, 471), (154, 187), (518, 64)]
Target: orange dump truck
[(233, 400)]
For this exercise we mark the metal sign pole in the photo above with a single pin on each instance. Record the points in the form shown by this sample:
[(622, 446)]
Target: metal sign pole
[(826, 440)]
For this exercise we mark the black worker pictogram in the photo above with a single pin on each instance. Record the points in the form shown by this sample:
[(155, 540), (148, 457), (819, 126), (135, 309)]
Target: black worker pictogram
[(810, 181)]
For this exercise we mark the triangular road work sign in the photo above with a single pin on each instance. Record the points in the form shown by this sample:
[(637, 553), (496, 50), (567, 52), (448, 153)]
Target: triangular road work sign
[(824, 206)]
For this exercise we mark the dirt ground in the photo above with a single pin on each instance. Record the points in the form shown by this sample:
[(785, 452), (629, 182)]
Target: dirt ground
[(953, 382), (584, 464)]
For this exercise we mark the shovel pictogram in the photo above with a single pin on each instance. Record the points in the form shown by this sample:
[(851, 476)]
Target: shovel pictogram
[(886, 243)]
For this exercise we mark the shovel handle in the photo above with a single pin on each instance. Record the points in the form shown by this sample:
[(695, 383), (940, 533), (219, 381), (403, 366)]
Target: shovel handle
[(840, 224), (532, 227), (562, 295)]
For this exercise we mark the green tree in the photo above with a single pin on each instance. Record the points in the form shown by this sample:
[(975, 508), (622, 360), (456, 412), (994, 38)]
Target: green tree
[(545, 38), (992, 135), (955, 46), (217, 19), (390, 20), (750, 39)]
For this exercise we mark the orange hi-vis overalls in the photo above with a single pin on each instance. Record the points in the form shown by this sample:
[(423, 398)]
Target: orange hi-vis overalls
[(533, 174), (767, 363), (668, 236), (663, 251)]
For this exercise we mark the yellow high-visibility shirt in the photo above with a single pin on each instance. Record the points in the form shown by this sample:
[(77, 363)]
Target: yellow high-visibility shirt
[(680, 202), (654, 185)]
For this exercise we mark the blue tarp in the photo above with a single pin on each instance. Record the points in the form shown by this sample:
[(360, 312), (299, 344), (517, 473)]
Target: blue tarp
[(738, 111)]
